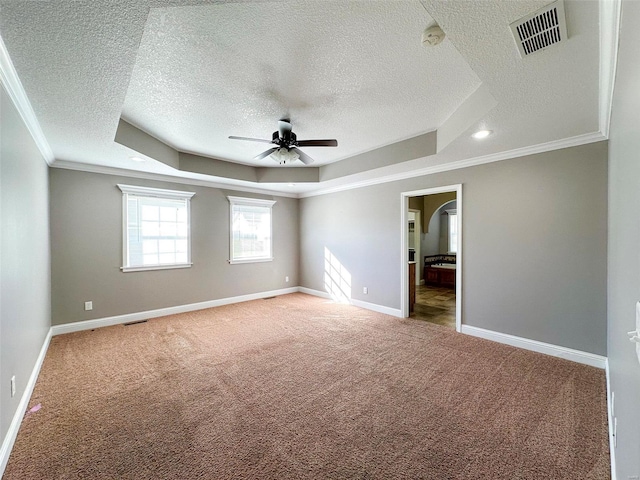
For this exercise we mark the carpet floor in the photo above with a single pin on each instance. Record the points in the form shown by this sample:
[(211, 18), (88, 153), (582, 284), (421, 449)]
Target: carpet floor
[(296, 387)]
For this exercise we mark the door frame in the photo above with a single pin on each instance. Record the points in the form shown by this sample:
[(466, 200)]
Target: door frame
[(404, 244)]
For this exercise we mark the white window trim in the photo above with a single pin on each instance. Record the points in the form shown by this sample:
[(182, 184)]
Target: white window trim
[(249, 201), (155, 192), (159, 193)]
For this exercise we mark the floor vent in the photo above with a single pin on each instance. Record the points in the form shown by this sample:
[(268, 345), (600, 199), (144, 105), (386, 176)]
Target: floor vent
[(541, 29), (134, 323)]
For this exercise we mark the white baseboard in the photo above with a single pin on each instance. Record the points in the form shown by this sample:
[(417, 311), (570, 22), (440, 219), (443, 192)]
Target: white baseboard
[(395, 312), (578, 356), (12, 432), (356, 303), (315, 293), (610, 412), (162, 312)]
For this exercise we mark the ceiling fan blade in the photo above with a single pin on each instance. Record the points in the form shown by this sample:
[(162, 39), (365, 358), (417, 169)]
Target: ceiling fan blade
[(317, 143), (232, 137), (304, 158), (266, 153)]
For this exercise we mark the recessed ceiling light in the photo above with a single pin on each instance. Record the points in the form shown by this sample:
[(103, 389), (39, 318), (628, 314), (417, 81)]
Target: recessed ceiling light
[(479, 135), (137, 159)]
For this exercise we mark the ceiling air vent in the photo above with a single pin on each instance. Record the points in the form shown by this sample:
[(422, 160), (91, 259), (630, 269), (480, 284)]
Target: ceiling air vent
[(541, 29)]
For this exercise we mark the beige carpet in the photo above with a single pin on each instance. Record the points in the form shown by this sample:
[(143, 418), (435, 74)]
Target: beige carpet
[(296, 387)]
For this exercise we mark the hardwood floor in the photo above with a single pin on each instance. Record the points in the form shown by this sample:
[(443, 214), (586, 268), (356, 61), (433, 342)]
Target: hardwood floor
[(435, 305)]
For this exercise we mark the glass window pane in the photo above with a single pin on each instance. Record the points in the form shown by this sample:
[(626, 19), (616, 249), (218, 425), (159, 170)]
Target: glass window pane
[(150, 259), (181, 246), (167, 258), (251, 231), (453, 232), (166, 246), (150, 229), (150, 212), (168, 214), (168, 229), (157, 228), (149, 246)]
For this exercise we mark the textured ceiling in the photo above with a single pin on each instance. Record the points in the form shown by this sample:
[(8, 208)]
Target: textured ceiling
[(355, 71), (193, 72)]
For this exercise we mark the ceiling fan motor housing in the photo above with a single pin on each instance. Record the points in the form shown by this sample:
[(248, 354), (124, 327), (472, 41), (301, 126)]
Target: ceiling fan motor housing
[(287, 139)]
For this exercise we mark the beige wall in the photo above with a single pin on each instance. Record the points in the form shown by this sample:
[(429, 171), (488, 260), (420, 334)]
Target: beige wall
[(428, 204), (431, 203), (25, 288), (624, 244), (535, 244), (86, 240)]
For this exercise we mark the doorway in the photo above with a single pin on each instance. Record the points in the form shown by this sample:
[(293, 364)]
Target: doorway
[(437, 285)]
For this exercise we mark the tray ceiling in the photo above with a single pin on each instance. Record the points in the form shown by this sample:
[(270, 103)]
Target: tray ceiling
[(190, 73)]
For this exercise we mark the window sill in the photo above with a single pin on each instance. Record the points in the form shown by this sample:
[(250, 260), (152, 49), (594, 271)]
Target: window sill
[(156, 267), (252, 260)]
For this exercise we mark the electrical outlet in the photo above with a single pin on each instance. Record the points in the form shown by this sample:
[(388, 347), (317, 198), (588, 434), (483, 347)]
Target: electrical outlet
[(88, 305), (286, 279), (365, 290), (13, 386)]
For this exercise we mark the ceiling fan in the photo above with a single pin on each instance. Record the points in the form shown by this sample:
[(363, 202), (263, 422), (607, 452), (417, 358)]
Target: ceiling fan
[(286, 145)]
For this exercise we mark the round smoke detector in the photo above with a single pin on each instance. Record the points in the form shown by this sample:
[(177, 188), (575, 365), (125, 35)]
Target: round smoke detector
[(432, 36)]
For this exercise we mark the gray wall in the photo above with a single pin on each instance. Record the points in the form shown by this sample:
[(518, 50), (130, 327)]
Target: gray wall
[(534, 244), (86, 242), (624, 243), (431, 239), (24, 257), (443, 217), (436, 240)]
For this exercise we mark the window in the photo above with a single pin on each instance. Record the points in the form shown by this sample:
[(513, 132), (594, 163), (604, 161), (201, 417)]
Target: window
[(156, 228), (453, 231), (250, 239)]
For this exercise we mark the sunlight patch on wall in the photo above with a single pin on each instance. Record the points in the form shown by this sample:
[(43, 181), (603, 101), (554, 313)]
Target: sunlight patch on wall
[(337, 279)]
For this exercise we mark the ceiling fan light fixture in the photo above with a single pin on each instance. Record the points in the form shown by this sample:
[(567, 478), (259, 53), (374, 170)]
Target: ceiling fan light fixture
[(284, 155)]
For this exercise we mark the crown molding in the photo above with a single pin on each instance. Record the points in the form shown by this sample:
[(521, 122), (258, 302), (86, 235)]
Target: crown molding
[(15, 90), (471, 162), (610, 12), (123, 172)]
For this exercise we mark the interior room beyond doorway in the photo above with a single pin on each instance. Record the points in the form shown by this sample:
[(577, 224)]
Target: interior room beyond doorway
[(433, 244)]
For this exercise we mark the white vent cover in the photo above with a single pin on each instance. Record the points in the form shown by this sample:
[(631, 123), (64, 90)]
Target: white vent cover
[(541, 29)]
